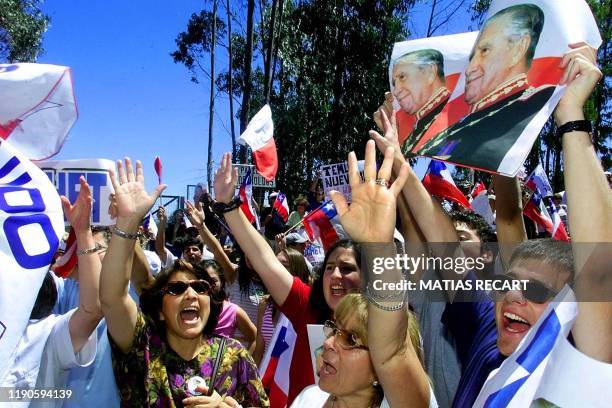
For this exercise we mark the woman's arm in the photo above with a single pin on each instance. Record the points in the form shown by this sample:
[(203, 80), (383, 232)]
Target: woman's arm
[(89, 313), (246, 327), (259, 342), (277, 279), (197, 218), (133, 203), (371, 218), (160, 239)]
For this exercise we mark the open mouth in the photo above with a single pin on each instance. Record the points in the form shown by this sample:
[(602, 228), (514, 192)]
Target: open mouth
[(327, 369), (190, 315), (515, 323), (338, 290)]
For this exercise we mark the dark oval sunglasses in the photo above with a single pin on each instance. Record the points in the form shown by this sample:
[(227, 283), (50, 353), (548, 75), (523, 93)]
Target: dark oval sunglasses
[(201, 287), (534, 291)]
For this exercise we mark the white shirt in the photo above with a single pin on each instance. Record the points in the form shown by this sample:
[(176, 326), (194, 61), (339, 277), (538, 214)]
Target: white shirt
[(313, 397), (44, 356)]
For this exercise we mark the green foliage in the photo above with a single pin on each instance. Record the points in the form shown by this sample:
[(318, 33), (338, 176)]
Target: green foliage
[(22, 26), (333, 74), (193, 44)]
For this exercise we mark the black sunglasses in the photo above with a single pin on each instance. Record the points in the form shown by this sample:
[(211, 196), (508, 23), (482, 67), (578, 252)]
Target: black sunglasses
[(201, 287), (531, 289)]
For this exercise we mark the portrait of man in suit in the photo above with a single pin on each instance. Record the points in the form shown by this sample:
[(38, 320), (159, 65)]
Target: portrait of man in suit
[(500, 99), (420, 89)]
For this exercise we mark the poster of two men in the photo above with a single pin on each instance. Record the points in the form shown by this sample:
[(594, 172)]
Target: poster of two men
[(480, 99)]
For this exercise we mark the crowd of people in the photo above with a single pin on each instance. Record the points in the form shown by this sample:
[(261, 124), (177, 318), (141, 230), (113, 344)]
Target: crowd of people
[(186, 318)]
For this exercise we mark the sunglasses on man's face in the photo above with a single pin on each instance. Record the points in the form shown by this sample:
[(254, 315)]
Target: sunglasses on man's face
[(532, 290), (177, 288), (345, 339)]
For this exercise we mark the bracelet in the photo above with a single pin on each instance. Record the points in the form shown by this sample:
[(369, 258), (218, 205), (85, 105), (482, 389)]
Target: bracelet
[(374, 296), (222, 208), (399, 306), (125, 235), (575, 125), (87, 251)]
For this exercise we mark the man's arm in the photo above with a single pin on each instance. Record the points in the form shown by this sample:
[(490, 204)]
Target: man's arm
[(589, 205), (89, 313), (141, 275), (509, 215)]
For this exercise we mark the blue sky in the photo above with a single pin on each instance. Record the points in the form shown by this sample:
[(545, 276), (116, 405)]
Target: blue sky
[(133, 99)]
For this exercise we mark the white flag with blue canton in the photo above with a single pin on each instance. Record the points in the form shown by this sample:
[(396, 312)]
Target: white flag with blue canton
[(546, 370)]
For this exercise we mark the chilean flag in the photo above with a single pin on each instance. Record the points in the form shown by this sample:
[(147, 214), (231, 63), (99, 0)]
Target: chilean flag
[(246, 195), (438, 182), (66, 263), (274, 368), (259, 137), (281, 206), (536, 208), (478, 188), (322, 224)]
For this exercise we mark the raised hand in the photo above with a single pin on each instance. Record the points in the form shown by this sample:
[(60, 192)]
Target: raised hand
[(581, 75), (78, 215), (225, 180), (386, 107), (195, 214), (162, 216), (371, 215), (391, 139), (133, 202)]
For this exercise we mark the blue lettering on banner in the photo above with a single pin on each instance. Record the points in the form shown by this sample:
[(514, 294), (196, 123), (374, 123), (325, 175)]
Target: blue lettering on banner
[(25, 260), (67, 183), (14, 222)]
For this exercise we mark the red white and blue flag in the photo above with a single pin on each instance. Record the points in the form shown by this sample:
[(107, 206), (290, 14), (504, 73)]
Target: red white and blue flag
[(478, 188), (276, 362), (259, 136), (439, 182), (323, 225), (246, 195), (540, 208), (281, 206)]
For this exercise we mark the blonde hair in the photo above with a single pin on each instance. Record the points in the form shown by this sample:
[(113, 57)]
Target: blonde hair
[(356, 306)]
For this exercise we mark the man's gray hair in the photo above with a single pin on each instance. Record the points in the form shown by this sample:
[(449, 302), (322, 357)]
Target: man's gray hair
[(525, 19), (423, 58)]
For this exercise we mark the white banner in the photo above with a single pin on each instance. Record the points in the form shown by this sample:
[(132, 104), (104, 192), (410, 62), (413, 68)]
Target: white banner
[(31, 226), (65, 174), (39, 108), (335, 177)]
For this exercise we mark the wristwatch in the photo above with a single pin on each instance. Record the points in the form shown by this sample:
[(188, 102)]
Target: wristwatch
[(580, 125), (221, 208)]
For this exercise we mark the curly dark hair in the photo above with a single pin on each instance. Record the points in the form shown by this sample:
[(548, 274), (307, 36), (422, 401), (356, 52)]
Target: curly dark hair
[(475, 222), (316, 301), (151, 298)]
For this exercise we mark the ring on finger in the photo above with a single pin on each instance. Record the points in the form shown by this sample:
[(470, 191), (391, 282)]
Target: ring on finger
[(368, 179), (382, 182)]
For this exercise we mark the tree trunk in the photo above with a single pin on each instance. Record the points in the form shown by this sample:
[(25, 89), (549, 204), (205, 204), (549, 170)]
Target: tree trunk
[(279, 24), (231, 81), (212, 96), (248, 86), (269, 53)]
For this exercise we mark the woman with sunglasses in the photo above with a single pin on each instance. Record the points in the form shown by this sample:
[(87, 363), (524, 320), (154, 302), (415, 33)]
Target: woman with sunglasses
[(164, 355), (392, 340), (347, 376)]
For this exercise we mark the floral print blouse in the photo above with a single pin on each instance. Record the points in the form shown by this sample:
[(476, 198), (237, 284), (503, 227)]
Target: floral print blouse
[(151, 374)]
